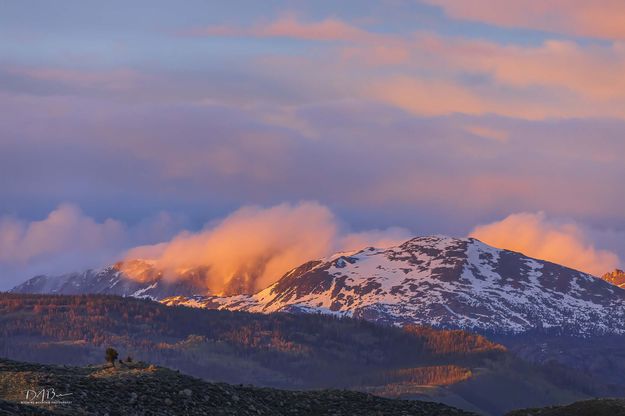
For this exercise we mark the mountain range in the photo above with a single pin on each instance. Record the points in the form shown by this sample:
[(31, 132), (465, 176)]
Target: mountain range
[(434, 280), (147, 281), (549, 334)]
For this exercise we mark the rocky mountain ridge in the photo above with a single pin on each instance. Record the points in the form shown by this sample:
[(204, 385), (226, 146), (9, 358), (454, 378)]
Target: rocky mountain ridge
[(442, 282), (137, 278)]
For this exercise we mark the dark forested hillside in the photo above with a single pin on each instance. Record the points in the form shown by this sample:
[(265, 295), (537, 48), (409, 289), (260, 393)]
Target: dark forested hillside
[(277, 350)]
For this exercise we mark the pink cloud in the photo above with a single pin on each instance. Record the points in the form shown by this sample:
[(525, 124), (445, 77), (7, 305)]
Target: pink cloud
[(427, 97), (555, 79), (537, 236), (289, 26), (328, 29), (592, 71), (598, 18), (442, 96), (425, 73)]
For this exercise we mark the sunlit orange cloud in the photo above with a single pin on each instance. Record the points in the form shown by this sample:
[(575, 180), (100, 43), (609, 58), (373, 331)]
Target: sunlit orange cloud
[(434, 97), (289, 26), (259, 245), (574, 80), (441, 96), (602, 19), (553, 79), (592, 71), (428, 97), (583, 72), (535, 235)]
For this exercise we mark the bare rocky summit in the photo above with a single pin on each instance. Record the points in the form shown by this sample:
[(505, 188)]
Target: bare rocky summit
[(142, 389)]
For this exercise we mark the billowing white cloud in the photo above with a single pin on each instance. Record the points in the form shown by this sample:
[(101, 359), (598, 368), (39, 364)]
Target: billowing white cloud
[(66, 229), (68, 240)]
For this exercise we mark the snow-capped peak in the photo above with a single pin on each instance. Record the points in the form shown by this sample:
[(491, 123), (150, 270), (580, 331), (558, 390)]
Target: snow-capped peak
[(444, 282)]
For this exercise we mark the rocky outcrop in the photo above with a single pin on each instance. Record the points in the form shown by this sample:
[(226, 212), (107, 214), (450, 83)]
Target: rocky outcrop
[(616, 277)]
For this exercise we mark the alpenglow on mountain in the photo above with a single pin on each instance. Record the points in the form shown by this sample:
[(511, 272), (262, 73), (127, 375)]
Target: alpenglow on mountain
[(439, 281), (616, 277), (442, 282)]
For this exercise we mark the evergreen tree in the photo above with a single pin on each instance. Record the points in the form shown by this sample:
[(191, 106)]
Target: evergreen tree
[(111, 355)]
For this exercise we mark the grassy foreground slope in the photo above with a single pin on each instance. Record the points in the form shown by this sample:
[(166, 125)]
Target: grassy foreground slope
[(596, 407), (141, 389)]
